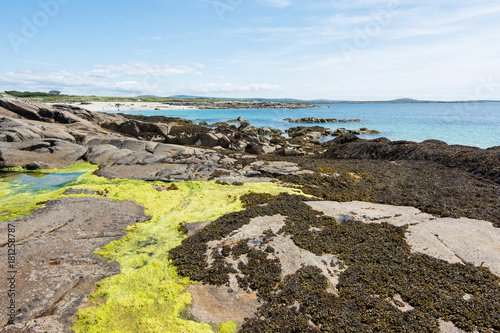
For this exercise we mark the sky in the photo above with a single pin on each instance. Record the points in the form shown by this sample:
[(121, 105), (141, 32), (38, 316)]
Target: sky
[(331, 49)]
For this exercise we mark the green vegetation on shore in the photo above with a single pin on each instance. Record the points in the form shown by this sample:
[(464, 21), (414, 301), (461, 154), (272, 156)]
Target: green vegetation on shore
[(61, 98), (48, 98)]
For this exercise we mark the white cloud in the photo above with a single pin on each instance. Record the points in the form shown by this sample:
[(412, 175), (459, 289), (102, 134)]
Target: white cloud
[(147, 39), (215, 88), (141, 69), (123, 80), (129, 78)]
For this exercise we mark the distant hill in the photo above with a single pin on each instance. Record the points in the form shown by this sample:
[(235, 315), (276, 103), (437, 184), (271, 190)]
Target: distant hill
[(328, 101), (405, 100), (319, 101), (192, 97), (274, 99)]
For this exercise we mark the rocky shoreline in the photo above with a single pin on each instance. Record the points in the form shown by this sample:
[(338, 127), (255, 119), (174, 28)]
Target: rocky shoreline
[(455, 191), (245, 105), (186, 105), (314, 120)]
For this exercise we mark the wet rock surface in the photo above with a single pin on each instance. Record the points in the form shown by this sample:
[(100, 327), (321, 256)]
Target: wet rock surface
[(56, 266)]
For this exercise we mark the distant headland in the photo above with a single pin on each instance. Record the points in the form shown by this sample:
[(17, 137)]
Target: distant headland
[(200, 102)]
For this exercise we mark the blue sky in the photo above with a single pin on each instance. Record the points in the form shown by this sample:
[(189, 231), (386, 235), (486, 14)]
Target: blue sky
[(356, 50)]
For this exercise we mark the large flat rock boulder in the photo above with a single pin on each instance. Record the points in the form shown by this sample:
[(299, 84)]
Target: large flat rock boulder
[(55, 264), (53, 153), (455, 240)]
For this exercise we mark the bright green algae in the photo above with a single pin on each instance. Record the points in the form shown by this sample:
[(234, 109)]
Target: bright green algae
[(148, 295)]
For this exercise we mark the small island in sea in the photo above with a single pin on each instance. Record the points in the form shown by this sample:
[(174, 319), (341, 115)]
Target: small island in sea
[(124, 222)]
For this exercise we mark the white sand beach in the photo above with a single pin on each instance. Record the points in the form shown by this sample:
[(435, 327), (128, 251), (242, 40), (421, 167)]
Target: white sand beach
[(129, 106)]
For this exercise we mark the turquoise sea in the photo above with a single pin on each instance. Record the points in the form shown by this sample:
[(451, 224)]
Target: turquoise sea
[(471, 124)]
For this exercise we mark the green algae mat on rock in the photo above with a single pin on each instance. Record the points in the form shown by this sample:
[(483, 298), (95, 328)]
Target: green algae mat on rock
[(148, 295)]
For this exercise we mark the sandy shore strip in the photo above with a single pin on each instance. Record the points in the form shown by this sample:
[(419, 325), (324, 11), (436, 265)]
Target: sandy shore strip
[(128, 106)]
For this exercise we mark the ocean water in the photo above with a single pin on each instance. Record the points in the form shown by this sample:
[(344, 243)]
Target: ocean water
[(471, 124)]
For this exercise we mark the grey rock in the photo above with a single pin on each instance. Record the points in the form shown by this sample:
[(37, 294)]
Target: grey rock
[(192, 228), (55, 153), (36, 165), (168, 150), (57, 267), (454, 240), (173, 170), (268, 149), (253, 173), (279, 168), (254, 149), (134, 145), (209, 140), (25, 110), (107, 154), (79, 191), (288, 152)]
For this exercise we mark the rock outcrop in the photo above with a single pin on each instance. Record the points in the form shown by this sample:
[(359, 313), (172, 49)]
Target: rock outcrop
[(314, 120), (316, 132), (56, 266), (484, 163)]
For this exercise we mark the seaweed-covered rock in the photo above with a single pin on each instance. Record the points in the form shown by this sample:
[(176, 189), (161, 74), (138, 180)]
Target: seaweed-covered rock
[(254, 149), (314, 120), (483, 163), (344, 138), (383, 285), (313, 132)]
